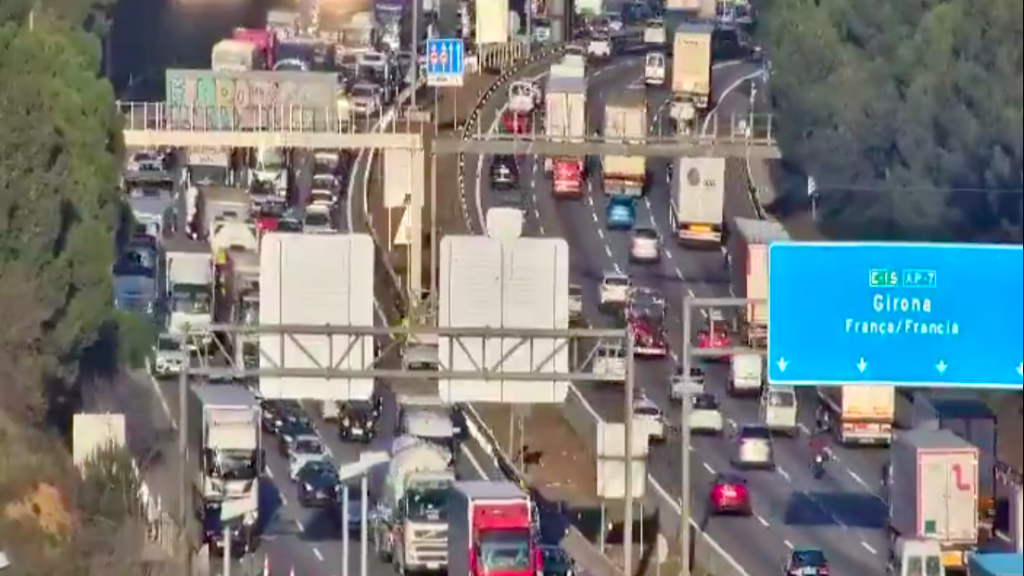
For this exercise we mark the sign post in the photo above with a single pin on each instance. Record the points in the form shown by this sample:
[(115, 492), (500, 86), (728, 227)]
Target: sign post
[(446, 62), (895, 314)]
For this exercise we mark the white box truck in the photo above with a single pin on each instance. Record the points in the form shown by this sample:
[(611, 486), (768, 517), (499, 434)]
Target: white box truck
[(698, 201), (189, 290), (861, 414), (411, 532), (747, 254), (932, 493)]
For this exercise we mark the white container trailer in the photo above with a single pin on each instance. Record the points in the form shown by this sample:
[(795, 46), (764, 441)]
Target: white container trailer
[(932, 486), (747, 251), (698, 200)]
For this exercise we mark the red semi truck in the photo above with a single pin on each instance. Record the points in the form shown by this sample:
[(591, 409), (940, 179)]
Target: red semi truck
[(489, 531)]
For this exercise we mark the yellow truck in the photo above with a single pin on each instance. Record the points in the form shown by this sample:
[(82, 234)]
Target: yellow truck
[(861, 414), (691, 64)]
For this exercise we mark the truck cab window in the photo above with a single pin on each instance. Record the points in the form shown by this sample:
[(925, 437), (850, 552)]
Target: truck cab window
[(504, 551), (231, 464), (191, 299)]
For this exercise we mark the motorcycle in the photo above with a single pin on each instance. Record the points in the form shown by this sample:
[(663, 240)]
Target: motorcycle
[(818, 466)]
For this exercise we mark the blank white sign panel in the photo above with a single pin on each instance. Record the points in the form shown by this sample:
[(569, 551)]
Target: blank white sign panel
[(517, 283), (316, 280)]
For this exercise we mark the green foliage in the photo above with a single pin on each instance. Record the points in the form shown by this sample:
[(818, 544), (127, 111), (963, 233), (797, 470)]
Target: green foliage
[(136, 337), (893, 105), (109, 488), (60, 207)]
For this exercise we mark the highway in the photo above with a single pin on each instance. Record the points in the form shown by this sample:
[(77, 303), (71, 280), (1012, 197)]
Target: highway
[(839, 514)]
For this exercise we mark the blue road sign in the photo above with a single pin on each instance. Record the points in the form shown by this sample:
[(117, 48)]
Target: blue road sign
[(446, 62), (930, 315)]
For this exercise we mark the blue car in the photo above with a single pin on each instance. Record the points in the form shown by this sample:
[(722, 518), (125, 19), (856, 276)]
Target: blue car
[(621, 213)]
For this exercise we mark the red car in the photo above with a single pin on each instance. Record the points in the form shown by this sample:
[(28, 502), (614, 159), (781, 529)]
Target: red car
[(516, 122), (648, 335), (714, 340), (730, 495)]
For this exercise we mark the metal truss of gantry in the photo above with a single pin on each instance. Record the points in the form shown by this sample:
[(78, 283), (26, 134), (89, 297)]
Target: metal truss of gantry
[(582, 344), (691, 308)]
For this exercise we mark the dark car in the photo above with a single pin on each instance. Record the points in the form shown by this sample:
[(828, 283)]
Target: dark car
[(295, 426), (459, 423), (806, 562), (276, 412), (318, 484), (358, 421), (555, 562), (504, 172), (240, 537)]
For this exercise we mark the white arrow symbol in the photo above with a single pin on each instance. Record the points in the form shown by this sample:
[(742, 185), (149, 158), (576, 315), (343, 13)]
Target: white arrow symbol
[(941, 367), (862, 365), (782, 364), (1020, 369)]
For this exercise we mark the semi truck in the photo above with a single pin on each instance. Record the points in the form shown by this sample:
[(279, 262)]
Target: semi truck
[(226, 454), (189, 277), (489, 530), (625, 120), (860, 414), (691, 65), (698, 200), (565, 117), (412, 531), (747, 258), (237, 301), (931, 490), (972, 420)]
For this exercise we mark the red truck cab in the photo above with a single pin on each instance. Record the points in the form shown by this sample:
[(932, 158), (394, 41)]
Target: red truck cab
[(489, 531), (264, 41), (568, 177)]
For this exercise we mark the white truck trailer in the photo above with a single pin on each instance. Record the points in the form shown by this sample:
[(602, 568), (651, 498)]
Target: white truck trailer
[(226, 452), (189, 289), (698, 201), (412, 530), (565, 117), (747, 253), (932, 493), (861, 414), (625, 120)]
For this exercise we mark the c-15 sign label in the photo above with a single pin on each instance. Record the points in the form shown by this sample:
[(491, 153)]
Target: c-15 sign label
[(929, 315)]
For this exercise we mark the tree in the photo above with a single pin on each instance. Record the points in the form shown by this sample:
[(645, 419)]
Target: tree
[(893, 106), (60, 207)]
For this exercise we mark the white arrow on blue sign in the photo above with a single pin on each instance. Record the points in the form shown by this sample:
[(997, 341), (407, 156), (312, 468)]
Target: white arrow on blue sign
[(446, 62)]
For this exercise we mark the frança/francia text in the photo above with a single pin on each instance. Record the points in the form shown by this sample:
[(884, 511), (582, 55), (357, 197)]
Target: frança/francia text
[(902, 315)]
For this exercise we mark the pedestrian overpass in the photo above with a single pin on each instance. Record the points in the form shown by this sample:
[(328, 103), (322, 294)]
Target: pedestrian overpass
[(157, 124)]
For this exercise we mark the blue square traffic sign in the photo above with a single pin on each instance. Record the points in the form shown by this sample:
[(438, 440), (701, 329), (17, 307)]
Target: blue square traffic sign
[(928, 315), (446, 61)]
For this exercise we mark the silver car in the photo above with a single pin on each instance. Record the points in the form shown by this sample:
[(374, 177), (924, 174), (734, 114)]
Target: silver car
[(169, 359), (304, 450), (367, 99)]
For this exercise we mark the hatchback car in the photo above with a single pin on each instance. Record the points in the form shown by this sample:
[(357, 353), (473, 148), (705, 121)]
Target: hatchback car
[(806, 562), (651, 419), (317, 484), (754, 447), (644, 246), (706, 415), (729, 495)]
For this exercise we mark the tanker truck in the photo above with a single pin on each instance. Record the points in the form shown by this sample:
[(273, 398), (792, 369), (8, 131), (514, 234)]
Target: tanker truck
[(411, 527)]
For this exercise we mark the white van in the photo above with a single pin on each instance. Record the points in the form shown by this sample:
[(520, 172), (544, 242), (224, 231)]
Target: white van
[(778, 409), (654, 69), (746, 374)]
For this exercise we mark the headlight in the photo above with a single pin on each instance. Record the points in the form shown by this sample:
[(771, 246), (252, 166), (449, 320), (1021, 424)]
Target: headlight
[(308, 487)]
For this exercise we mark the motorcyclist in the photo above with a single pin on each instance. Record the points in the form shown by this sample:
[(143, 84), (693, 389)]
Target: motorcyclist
[(821, 453), (821, 419)]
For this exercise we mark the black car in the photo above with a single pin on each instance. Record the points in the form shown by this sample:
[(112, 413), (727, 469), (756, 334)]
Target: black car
[(277, 412), (459, 423), (294, 426), (806, 562), (504, 172), (358, 421), (555, 562), (318, 484)]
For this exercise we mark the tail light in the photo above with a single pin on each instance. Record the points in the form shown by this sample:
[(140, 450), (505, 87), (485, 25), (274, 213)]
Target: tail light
[(823, 571)]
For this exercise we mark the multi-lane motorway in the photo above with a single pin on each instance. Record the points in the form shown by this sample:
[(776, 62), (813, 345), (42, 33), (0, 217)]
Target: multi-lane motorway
[(839, 514)]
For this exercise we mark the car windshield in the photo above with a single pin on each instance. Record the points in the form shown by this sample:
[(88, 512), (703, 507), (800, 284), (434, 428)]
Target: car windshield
[(165, 344), (318, 219), (505, 550), (612, 352), (310, 446), (645, 234), (646, 410), (705, 402), (616, 281), (554, 559), (318, 469), (809, 558), (782, 400), (575, 292), (324, 182), (755, 433), (362, 91)]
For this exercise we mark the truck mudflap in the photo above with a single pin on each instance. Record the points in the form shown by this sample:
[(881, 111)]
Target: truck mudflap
[(619, 186)]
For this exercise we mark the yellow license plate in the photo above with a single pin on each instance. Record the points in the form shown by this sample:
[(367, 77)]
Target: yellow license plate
[(953, 559), (700, 228)]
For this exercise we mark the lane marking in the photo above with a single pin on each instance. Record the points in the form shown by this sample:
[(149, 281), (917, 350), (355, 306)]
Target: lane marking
[(868, 547), (762, 520), (316, 552)]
